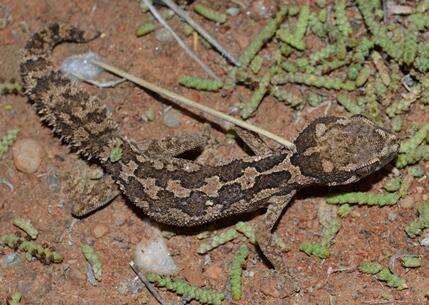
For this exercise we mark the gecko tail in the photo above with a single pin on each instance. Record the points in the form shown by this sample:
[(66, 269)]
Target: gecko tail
[(46, 39), (80, 119), (36, 55)]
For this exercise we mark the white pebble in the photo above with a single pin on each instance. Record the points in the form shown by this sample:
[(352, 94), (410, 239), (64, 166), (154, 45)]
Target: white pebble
[(81, 65), (425, 242), (164, 35), (233, 11), (170, 119), (27, 155), (154, 256)]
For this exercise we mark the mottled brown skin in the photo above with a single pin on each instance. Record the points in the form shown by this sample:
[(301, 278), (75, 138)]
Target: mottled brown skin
[(330, 151)]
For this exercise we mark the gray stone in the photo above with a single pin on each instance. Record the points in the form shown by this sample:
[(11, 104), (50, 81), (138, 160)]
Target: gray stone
[(233, 11), (164, 35), (10, 260), (170, 119)]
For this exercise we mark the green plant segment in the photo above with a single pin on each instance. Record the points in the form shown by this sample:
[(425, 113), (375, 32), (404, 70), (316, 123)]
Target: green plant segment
[(205, 296), (350, 105), (92, 258), (256, 64), (7, 141), (250, 107), (341, 18), (318, 250), (10, 87), (313, 80), (370, 267), (412, 157), (115, 154), (363, 198), (413, 142), (217, 240), (403, 104), (411, 261), (393, 184), (262, 37), (236, 272), (26, 226), (422, 222), (32, 249), (412, 150), (296, 39), (383, 274), (380, 32), (247, 230), (392, 280), (344, 210), (15, 299), (321, 250), (210, 14), (200, 84), (145, 29)]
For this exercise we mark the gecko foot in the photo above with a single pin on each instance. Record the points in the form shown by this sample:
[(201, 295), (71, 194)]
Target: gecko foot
[(274, 254)]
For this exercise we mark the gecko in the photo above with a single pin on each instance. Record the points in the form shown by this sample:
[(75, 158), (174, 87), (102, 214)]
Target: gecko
[(174, 191)]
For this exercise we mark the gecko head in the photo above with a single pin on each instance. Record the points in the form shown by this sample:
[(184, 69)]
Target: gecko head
[(334, 150)]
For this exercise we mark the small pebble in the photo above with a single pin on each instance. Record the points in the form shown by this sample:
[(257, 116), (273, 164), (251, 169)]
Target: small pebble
[(122, 287), (10, 260), (120, 218), (425, 242), (392, 216), (150, 115), (164, 35), (100, 230), (408, 80), (262, 9), (214, 272), (194, 275), (326, 213), (170, 119), (90, 277), (153, 256), (76, 275), (407, 203), (133, 286), (53, 180), (233, 11), (27, 155)]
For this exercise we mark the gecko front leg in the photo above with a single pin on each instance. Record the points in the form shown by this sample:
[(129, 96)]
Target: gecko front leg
[(264, 229), (265, 237)]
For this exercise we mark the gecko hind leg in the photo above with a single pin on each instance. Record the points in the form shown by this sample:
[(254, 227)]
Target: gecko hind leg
[(88, 195)]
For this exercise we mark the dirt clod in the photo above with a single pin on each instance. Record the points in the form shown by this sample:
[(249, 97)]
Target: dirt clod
[(27, 155), (100, 230)]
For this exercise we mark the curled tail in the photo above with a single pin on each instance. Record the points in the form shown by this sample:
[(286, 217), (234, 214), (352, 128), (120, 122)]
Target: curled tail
[(79, 118)]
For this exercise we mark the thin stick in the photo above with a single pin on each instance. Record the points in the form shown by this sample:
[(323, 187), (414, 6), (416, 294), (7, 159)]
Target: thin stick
[(184, 15), (185, 101), (161, 20), (148, 285)]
